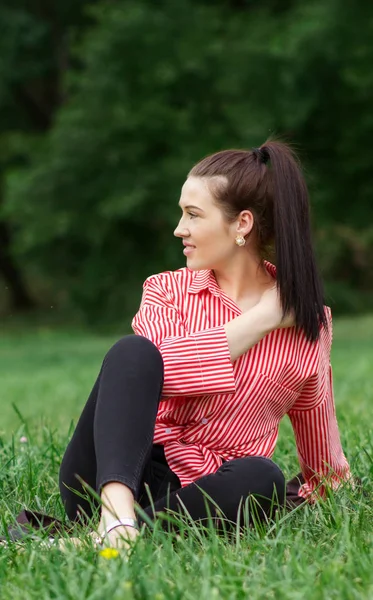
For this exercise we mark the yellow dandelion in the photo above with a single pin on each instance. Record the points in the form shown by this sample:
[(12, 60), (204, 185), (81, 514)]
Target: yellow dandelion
[(109, 553), (127, 585)]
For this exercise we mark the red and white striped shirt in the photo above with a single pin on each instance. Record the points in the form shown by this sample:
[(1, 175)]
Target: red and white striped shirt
[(213, 409)]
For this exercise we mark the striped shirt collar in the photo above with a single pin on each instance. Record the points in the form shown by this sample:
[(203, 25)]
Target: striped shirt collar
[(205, 279)]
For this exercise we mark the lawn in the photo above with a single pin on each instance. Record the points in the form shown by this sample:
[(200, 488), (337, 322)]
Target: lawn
[(320, 552)]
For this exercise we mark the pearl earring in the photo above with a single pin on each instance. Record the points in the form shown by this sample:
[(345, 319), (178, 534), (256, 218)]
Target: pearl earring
[(240, 240)]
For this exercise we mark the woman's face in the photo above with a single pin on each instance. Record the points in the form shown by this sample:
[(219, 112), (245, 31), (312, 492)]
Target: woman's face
[(208, 236)]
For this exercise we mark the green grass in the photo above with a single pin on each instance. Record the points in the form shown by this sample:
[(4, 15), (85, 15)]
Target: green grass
[(321, 552)]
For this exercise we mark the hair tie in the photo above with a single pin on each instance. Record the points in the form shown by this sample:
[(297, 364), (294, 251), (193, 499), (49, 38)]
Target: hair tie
[(261, 155)]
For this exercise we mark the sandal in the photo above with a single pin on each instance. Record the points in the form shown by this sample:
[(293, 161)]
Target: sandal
[(125, 521)]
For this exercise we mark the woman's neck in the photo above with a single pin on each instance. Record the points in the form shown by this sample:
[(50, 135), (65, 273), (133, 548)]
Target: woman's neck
[(244, 280)]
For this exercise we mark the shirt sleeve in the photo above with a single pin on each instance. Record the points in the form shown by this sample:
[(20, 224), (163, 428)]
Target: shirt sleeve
[(314, 422), (194, 364)]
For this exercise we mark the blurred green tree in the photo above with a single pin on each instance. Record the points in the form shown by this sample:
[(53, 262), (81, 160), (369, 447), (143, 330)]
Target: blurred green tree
[(153, 88), (35, 39)]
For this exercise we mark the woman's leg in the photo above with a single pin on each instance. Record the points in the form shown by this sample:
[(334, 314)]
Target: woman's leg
[(113, 438), (232, 483)]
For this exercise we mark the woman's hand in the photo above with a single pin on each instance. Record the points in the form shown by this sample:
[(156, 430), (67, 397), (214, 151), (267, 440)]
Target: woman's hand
[(246, 330), (271, 305)]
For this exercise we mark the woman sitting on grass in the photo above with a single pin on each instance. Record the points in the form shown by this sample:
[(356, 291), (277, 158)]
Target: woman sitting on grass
[(224, 348)]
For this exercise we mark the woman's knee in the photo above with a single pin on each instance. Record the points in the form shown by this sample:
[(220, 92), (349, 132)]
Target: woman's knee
[(256, 475), (136, 348)]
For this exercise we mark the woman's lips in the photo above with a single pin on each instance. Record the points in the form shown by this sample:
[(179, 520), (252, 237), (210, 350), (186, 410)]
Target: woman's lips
[(188, 249)]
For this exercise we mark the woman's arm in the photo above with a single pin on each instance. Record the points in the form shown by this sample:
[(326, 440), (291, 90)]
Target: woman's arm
[(248, 329), (315, 426), (198, 363)]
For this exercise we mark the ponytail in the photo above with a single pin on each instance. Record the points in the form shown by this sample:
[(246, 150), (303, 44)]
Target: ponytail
[(298, 280)]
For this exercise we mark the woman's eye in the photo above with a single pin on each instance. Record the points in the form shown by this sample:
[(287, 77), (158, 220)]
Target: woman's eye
[(192, 215)]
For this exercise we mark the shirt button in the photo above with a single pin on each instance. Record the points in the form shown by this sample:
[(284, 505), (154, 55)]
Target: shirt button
[(204, 420), (168, 430)]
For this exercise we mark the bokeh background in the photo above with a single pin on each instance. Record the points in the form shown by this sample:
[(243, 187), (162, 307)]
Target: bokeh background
[(106, 105)]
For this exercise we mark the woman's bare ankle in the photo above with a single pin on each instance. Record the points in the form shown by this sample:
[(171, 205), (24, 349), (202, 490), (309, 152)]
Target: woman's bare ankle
[(117, 502)]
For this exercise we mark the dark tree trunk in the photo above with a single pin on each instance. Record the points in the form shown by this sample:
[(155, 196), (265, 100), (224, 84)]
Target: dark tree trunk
[(20, 298), (37, 102)]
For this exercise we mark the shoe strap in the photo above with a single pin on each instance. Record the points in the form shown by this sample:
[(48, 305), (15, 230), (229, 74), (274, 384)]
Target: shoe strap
[(125, 521)]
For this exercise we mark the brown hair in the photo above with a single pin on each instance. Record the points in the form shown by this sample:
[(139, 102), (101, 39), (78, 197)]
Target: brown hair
[(269, 182)]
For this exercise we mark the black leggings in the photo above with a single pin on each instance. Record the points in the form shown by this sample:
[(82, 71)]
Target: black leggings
[(113, 441)]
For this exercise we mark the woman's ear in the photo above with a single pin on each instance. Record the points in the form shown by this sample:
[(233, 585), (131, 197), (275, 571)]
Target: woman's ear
[(245, 222)]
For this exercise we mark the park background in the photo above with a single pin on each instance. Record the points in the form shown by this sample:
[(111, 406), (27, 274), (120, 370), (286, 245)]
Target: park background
[(104, 107)]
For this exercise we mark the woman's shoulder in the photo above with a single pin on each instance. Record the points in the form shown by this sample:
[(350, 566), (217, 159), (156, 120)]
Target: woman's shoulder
[(181, 278), (326, 331)]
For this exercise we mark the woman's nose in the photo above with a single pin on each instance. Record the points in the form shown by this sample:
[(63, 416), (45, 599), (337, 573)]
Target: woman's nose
[(180, 230)]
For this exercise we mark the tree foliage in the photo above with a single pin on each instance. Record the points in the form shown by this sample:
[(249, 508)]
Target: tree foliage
[(153, 87), (34, 53)]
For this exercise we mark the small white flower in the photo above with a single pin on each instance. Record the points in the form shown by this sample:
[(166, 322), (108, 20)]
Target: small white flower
[(23, 439)]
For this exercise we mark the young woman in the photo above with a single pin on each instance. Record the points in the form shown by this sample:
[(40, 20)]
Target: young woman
[(223, 348)]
